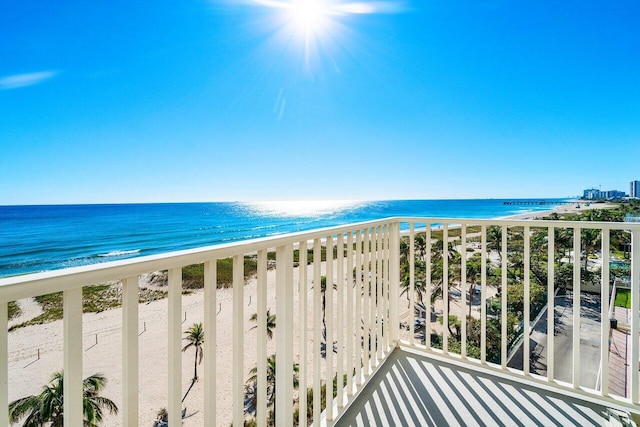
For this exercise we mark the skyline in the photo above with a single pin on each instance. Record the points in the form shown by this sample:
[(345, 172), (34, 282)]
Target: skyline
[(269, 100)]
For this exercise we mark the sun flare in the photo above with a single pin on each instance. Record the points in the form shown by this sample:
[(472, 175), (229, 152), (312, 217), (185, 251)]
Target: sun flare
[(309, 15)]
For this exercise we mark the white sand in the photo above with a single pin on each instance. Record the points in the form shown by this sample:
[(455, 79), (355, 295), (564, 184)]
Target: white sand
[(27, 373)]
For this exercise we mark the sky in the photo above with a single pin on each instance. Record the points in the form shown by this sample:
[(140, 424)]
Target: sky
[(225, 100)]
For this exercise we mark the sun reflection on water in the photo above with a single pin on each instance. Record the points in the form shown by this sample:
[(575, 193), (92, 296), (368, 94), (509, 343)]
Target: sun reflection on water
[(302, 208)]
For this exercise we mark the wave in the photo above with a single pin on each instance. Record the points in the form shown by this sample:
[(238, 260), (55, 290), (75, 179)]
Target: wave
[(119, 253)]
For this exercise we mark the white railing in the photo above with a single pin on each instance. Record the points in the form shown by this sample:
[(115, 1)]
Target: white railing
[(502, 246), (362, 313), (364, 254)]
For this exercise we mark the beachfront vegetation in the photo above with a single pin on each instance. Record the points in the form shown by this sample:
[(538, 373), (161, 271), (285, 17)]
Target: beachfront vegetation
[(14, 310), (270, 322), (47, 407), (95, 299), (251, 389)]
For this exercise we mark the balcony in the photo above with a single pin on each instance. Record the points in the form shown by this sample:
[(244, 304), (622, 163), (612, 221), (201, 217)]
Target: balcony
[(417, 329)]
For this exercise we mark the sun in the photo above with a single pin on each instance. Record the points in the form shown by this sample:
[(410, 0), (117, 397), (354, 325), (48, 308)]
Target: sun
[(310, 16)]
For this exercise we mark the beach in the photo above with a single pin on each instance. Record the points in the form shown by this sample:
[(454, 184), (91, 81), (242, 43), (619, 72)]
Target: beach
[(102, 350), (35, 352)]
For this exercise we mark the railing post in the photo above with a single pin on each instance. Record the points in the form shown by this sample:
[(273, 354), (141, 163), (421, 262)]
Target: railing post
[(604, 316), (503, 300), (412, 279), (238, 340), (577, 231), (340, 320), (526, 363), (463, 288), (394, 283), (483, 295), (635, 309), (350, 319), (328, 295), (284, 335), (174, 346), (358, 309), (302, 312), (317, 330), (445, 288), (427, 278), (130, 380), (261, 382), (4, 365), (551, 302), (209, 326), (72, 385)]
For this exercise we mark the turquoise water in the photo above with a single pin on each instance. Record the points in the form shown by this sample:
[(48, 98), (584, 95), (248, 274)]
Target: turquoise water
[(41, 238), (619, 264)]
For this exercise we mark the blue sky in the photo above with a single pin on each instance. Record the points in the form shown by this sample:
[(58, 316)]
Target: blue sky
[(225, 100)]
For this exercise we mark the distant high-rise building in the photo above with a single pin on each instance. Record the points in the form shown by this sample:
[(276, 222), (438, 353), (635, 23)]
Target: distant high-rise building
[(596, 194), (634, 191), (591, 193)]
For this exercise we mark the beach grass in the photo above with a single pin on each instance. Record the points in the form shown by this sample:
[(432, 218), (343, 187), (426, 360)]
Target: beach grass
[(14, 310), (95, 298)]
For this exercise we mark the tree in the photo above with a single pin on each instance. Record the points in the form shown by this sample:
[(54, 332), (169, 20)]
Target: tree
[(474, 270), (494, 240), (251, 386), (271, 322), (420, 244), (405, 250), (563, 241), (195, 338), (590, 243), (47, 407), (323, 292), (419, 286)]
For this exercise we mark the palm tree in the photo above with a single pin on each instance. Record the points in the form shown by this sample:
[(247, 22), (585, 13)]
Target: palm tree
[(47, 407), (494, 240), (271, 322), (323, 292), (419, 286), (590, 243), (195, 338), (474, 270), (420, 244), (404, 251), (563, 241), (251, 386)]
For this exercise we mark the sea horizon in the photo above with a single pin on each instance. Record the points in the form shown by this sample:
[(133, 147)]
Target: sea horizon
[(37, 238)]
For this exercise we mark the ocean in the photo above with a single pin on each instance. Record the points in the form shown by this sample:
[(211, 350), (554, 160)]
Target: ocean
[(42, 238)]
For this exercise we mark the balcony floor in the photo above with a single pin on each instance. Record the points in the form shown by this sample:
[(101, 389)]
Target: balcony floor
[(414, 390)]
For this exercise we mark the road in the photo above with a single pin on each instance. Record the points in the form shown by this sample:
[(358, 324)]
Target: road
[(563, 342)]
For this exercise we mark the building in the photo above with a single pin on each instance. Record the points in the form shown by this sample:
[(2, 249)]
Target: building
[(591, 194), (634, 190), (595, 194)]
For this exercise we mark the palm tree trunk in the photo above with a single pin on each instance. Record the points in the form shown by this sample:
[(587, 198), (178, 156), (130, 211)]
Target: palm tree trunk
[(195, 366), (195, 375), (193, 381)]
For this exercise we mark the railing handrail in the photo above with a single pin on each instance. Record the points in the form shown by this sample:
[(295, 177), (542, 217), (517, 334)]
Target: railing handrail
[(534, 223), (23, 286)]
